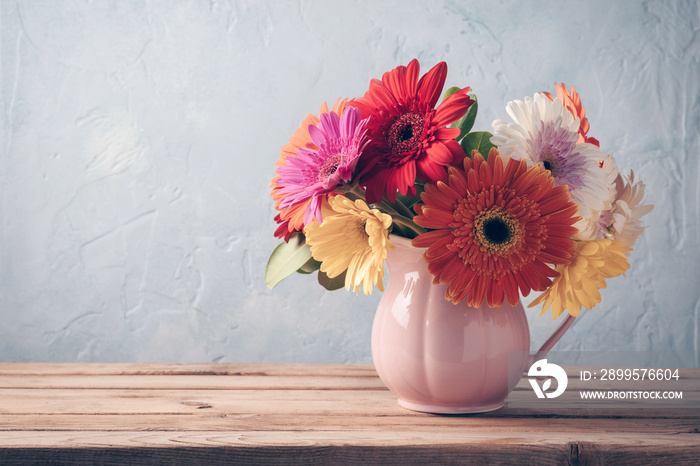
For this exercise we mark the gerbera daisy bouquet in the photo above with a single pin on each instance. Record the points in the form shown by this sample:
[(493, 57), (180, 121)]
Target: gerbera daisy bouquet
[(534, 206)]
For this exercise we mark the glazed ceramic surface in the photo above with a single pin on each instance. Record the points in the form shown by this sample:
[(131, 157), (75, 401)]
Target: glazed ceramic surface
[(440, 357)]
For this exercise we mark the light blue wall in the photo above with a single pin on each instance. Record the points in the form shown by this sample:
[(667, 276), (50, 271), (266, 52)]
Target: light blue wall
[(138, 140)]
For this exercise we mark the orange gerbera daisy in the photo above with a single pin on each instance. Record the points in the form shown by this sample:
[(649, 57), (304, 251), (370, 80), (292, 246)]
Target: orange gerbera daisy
[(291, 219), (572, 102), (496, 229)]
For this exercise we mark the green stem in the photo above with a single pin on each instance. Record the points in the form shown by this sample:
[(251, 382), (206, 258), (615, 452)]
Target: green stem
[(353, 192), (400, 214), (401, 208), (403, 221), (352, 196), (356, 191), (388, 207)]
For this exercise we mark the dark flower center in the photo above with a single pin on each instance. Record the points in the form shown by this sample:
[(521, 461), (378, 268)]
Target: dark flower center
[(549, 163), (405, 133), (497, 231)]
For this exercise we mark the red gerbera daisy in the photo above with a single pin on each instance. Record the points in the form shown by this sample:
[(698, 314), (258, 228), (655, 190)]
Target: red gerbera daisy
[(283, 229), (496, 229), (408, 135)]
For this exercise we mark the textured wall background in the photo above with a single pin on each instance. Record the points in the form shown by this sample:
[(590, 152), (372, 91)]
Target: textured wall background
[(138, 139)]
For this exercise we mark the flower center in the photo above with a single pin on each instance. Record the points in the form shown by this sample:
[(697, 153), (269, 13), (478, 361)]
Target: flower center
[(497, 231), (550, 165), (405, 133), (358, 230), (330, 165)]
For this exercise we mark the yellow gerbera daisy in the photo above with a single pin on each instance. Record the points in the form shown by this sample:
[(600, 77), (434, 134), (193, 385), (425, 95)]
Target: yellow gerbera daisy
[(353, 238), (579, 281)]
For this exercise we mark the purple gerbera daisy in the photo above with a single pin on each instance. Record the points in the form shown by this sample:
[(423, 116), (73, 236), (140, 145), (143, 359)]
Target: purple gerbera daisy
[(321, 168), (544, 132)]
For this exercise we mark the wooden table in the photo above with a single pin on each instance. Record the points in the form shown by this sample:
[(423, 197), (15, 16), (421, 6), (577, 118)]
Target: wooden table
[(300, 414)]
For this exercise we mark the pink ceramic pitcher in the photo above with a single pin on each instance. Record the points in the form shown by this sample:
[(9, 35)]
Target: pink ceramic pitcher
[(439, 357)]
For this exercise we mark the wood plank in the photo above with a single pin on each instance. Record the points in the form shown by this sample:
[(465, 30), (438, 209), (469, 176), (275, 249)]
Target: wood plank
[(282, 381), (312, 402), (190, 382), (306, 455), (215, 421), (109, 401), (262, 369), (95, 369), (468, 453), (308, 413), (372, 437), (373, 446)]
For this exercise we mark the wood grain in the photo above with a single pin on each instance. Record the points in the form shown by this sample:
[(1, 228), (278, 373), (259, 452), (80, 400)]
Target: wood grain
[(306, 414)]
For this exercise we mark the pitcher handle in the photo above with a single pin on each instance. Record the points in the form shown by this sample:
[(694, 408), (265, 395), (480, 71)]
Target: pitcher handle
[(552, 340)]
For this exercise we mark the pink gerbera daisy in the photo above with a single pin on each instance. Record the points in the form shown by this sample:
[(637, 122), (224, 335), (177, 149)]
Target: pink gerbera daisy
[(321, 168)]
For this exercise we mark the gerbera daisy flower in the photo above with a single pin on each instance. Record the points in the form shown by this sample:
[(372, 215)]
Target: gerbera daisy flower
[(408, 134), (496, 228), (595, 225), (293, 216), (579, 281), (544, 132), (319, 170), (283, 230), (354, 238), (627, 210), (572, 102)]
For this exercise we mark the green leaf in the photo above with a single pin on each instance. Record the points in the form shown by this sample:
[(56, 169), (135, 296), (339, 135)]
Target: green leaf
[(450, 91), (466, 123), (331, 284), (311, 266), (286, 259), (410, 201), (478, 140)]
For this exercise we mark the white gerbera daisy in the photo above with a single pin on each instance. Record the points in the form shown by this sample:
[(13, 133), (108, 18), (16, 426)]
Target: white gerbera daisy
[(627, 210), (543, 131), (595, 225)]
